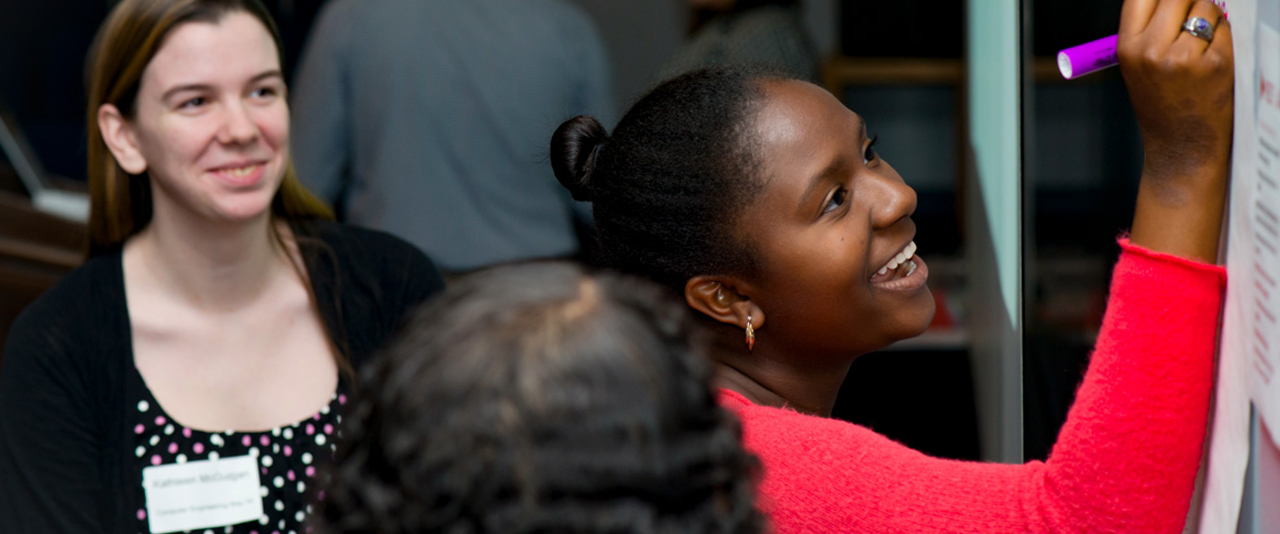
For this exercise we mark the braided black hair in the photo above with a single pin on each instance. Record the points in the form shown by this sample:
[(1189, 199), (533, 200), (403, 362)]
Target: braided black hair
[(668, 186), (540, 398)]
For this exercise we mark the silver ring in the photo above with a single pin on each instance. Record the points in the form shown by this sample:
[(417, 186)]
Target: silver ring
[(1199, 27)]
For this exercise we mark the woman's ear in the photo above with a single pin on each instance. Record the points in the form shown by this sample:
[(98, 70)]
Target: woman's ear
[(117, 133), (719, 299)]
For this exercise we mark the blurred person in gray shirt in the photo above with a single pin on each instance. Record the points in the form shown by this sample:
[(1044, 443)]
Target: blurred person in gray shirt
[(743, 32), (430, 119)]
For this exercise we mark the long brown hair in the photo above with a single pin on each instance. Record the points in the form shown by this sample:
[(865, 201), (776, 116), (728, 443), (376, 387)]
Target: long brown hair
[(120, 203)]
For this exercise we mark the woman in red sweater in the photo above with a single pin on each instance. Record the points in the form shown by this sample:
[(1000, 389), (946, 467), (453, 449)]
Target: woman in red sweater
[(762, 202)]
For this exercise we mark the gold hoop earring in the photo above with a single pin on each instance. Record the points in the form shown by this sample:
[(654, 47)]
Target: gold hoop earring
[(751, 335)]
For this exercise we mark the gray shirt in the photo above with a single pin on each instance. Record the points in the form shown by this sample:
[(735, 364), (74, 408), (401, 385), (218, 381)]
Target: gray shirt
[(768, 35), (431, 119)]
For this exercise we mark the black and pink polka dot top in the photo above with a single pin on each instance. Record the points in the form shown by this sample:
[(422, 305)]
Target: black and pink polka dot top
[(288, 457)]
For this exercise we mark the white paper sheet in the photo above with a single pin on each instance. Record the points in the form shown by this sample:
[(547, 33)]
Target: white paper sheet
[(1248, 261), (1264, 356)]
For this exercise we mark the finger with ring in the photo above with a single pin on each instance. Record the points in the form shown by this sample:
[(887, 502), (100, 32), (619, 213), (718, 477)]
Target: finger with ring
[(1199, 27)]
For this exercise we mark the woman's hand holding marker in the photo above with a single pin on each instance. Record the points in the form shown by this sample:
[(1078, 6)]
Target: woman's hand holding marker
[(1094, 56), (1181, 86)]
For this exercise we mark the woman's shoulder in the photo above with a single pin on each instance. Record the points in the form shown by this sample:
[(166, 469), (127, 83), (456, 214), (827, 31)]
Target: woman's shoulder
[(366, 244), (76, 312), (375, 258), (87, 289), (767, 423), (819, 463), (365, 281), (785, 435)]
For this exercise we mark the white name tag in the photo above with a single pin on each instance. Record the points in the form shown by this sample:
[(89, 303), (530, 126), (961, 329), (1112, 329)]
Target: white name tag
[(203, 494)]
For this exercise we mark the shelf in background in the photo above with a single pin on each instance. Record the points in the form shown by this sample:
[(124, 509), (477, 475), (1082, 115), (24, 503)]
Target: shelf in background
[(843, 71)]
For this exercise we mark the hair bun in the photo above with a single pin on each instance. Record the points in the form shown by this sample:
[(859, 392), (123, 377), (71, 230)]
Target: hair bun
[(574, 149)]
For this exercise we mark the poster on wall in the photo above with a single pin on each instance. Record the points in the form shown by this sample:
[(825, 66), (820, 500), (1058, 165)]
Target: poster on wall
[(1264, 353), (1249, 359)]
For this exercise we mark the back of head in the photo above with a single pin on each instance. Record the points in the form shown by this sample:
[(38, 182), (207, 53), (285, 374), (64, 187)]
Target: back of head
[(540, 398), (134, 31), (667, 186)]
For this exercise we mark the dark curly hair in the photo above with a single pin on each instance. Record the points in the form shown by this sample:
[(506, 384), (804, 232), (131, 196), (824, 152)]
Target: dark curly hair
[(668, 185), (540, 398)]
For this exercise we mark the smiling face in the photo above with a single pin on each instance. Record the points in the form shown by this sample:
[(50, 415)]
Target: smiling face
[(211, 126), (831, 220)]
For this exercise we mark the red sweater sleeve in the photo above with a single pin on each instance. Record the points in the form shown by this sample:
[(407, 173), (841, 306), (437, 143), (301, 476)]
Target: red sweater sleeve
[(1125, 461)]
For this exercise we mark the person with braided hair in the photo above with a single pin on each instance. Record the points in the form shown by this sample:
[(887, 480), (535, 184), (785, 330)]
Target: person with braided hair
[(542, 398)]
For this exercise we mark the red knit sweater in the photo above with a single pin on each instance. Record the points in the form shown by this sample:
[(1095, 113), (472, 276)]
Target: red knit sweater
[(1125, 461)]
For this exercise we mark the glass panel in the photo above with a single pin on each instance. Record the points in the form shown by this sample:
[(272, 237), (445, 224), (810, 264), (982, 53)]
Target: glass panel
[(993, 222)]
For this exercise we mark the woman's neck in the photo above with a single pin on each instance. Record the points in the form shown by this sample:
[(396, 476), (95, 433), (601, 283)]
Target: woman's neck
[(770, 376), (212, 266)]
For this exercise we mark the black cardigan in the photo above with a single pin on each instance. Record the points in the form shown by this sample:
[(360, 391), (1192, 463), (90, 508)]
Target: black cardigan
[(65, 446)]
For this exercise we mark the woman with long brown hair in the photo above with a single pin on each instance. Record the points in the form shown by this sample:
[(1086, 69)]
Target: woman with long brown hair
[(190, 375)]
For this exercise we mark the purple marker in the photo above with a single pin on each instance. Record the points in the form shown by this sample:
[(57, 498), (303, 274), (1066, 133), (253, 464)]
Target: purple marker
[(1094, 56), (1090, 57)]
